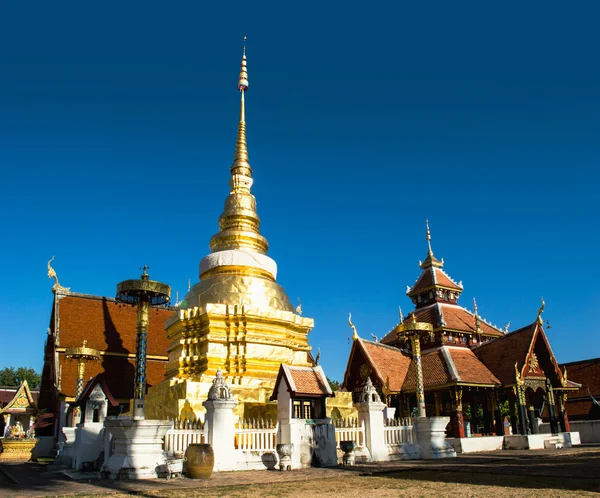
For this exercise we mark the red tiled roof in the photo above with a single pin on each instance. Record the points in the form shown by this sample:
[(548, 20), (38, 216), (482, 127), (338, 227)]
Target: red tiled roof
[(107, 325), (435, 372), (500, 355), (390, 364), (586, 373), (303, 381), (426, 280), (111, 328), (469, 367), (455, 318), (458, 318), (449, 365)]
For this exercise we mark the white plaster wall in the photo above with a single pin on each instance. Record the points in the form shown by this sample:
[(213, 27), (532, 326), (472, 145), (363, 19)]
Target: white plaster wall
[(589, 430)]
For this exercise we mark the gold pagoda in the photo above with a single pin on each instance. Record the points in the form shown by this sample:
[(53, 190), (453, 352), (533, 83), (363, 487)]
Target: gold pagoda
[(237, 317)]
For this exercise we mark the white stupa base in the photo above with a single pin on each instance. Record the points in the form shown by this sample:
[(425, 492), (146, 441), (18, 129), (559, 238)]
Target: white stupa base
[(137, 447), (431, 436)]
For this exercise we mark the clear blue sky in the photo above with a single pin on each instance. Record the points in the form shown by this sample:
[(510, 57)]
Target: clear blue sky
[(117, 129)]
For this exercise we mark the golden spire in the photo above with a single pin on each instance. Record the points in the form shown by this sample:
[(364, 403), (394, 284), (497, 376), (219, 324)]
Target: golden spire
[(239, 224), (430, 260)]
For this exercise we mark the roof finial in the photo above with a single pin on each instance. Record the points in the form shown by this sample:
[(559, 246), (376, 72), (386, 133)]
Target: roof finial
[(400, 314), (430, 252), (52, 273), (477, 327), (540, 311), (240, 165), (354, 332)]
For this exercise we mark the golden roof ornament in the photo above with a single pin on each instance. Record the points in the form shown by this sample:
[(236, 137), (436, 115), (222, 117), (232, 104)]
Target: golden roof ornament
[(354, 332), (540, 311), (518, 377), (52, 274)]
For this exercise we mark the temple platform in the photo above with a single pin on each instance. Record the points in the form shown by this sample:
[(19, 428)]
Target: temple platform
[(515, 442)]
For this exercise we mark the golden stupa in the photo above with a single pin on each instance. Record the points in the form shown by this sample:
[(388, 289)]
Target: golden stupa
[(237, 318)]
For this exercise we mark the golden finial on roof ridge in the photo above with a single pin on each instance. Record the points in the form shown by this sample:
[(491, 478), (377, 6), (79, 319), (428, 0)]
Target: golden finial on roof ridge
[(354, 332), (540, 311), (52, 272)]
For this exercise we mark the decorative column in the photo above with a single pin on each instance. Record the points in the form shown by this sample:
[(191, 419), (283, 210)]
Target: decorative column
[(221, 424), (457, 415), (370, 412), (551, 407), (142, 293), (81, 355), (520, 394), (416, 350)]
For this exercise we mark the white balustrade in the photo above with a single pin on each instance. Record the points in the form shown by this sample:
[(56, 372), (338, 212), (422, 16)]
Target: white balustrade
[(349, 430), (183, 433), (256, 435), (398, 431)]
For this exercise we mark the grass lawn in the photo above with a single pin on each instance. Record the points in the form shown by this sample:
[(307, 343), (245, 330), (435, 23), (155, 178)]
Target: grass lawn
[(406, 483)]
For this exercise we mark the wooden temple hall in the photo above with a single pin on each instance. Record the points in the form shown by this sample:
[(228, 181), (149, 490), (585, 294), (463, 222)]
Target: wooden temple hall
[(487, 380)]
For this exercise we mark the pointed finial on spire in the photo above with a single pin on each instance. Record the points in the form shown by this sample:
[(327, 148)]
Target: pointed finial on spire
[(243, 77), (400, 314), (430, 260), (240, 169), (189, 284), (477, 327), (428, 233)]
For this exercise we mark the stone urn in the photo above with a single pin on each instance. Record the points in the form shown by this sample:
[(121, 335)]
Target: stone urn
[(199, 461), (285, 456), (17, 450), (348, 448)]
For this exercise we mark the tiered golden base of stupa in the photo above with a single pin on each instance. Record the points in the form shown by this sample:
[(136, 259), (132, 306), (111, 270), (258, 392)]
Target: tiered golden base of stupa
[(248, 344)]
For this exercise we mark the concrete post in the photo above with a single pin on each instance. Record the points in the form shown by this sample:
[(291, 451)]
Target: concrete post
[(221, 423), (370, 412)]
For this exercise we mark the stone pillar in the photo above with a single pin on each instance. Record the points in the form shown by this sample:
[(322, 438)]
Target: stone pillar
[(221, 423), (458, 421), (370, 411)]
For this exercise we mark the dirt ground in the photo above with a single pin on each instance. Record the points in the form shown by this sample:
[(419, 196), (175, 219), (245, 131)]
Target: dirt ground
[(544, 473)]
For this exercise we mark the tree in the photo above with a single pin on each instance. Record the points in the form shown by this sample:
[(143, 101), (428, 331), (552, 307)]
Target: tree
[(12, 377), (334, 384)]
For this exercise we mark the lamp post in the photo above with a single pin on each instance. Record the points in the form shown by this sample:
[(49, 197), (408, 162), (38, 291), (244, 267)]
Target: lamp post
[(142, 293)]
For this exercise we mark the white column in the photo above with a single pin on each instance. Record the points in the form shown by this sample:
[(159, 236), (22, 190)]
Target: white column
[(221, 426), (370, 411)]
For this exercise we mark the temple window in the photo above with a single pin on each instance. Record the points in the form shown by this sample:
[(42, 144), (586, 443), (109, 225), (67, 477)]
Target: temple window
[(303, 408), (96, 414)]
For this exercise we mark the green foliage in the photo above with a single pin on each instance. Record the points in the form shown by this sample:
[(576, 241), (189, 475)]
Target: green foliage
[(10, 376), (334, 384)]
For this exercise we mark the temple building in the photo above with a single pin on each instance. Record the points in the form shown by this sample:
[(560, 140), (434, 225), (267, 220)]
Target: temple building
[(90, 335), (488, 380), (237, 317)]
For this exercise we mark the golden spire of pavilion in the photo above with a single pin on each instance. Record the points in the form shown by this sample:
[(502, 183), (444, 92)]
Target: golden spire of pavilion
[(239, 223), (430, 260)]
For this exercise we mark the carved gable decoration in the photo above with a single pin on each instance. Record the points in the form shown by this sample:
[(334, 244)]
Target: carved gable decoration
[(22, 401)]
